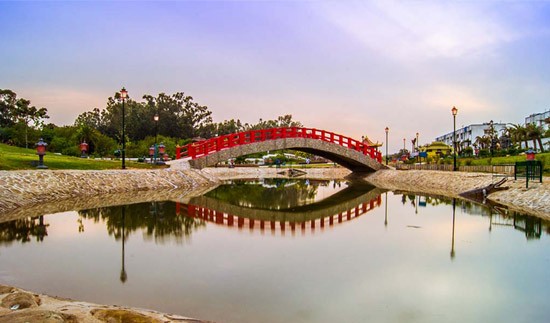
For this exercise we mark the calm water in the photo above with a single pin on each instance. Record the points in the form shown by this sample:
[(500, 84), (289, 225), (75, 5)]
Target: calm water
[(291, 251)]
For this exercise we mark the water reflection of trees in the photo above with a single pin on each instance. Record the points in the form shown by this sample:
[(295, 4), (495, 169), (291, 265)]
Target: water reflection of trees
[(158, 221), (23, 230), (272, 194)]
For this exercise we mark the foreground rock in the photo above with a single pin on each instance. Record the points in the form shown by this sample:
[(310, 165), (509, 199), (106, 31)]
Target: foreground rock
[(22, 306)]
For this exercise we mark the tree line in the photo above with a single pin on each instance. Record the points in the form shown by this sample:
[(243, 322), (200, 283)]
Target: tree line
[(180, 120)]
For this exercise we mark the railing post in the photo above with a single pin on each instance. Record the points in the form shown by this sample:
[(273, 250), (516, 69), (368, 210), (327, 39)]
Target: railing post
[(218, 144), (241, 138)]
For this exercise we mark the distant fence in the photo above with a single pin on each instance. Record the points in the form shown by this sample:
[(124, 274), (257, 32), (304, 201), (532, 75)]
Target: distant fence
[(507, 170)]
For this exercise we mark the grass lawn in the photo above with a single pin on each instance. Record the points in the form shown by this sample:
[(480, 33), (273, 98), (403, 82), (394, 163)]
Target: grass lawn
[(13, 158), (544, 157)]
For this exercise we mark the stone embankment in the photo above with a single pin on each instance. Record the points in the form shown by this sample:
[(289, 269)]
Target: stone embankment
[(64, 190), (534, 200)]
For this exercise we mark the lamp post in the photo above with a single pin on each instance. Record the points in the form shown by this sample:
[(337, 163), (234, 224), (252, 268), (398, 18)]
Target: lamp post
[(491, 134), (123, 96), (156, 119), (162, 151), (454, 111), (387, 130), (83, 149), (417, 150)]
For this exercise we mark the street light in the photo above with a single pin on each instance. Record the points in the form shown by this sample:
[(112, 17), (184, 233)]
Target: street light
[(123, 96), (454, 111), (417, 150), (156, 119), (387, 130)]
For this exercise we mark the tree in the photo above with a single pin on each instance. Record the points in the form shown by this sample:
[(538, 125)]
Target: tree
[(483, 142), (19, 111), (7, 107), (518, 133), (179, 116), (535, 133)]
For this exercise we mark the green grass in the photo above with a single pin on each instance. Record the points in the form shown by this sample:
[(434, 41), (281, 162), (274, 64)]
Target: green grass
[(14, 158), (544, 157)]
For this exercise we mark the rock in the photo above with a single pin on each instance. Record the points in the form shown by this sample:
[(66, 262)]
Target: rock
[(5, 289), (37, 316), (24, 300), (122, 316)]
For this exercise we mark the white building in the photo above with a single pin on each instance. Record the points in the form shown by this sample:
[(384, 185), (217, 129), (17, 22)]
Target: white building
[(466, 136), (538, 119)]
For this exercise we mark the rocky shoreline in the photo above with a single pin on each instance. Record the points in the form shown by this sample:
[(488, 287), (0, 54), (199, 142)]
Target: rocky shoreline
[(45, 192)]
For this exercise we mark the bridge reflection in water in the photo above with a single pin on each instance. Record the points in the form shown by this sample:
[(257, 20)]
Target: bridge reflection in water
[(347, 204)]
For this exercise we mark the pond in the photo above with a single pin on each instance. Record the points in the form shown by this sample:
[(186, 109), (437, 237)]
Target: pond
[(277, 250)]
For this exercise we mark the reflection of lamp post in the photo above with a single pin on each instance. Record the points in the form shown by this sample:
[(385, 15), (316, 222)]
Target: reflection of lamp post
[(454, 110), (453, 237), (123, 275), (386, 214), (387, 130), (123, 96), (156, 119), (41, 151)]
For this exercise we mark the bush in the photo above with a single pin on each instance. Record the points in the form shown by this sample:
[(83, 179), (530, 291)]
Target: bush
[(484, 153)]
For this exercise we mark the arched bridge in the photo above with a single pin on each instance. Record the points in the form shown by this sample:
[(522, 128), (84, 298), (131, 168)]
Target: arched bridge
[(350, 153)]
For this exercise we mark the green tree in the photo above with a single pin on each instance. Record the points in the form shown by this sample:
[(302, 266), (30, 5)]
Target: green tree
[(179, 116), (535, 133), (8, 99)]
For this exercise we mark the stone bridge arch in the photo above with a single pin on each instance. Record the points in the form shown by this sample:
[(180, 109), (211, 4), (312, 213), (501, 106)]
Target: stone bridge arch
[(349, 153), (351, 159)]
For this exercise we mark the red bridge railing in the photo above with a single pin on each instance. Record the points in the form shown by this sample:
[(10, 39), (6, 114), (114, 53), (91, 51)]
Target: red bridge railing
[(205, 147), (230, 220)]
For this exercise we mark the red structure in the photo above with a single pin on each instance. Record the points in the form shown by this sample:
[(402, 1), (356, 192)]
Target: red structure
[(208, 146), (230, 220)]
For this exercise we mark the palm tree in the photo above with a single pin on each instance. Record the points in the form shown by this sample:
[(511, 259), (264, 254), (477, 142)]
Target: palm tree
[(483, 141), (534, 133), (518, 133)]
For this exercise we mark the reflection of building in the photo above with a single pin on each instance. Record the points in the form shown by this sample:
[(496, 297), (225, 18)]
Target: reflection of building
[(530, 225)]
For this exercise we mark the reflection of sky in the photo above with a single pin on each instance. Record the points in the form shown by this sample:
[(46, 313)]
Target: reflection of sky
[(356, 272)]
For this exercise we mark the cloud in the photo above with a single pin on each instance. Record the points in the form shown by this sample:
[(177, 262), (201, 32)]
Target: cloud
[(421, 29)]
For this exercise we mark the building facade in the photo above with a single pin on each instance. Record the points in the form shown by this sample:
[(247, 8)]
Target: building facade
[(466, 136), (538, 119)]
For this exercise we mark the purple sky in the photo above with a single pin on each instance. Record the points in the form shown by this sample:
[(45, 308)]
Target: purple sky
[(351, 67)]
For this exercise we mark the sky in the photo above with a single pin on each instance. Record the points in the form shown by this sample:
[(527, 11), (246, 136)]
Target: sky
[(350, 67)]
